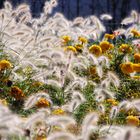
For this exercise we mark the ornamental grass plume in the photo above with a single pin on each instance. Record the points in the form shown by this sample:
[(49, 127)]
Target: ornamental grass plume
[(77, 99), (62, 121), (89, 121), (103, 91), (61, 136), (113, 78), (114, 112), (105, 17), (40, 99), (101, 108), (34, 118), (10, 124), (8, 6), (134, 17), (127, 105), (125, 133), (76, 84)]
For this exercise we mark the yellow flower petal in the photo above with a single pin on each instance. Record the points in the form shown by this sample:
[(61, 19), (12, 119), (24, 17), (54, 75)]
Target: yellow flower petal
[(95, 49), (132, 120), (127, 68)]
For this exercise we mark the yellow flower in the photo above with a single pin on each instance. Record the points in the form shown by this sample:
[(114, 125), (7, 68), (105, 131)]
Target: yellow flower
[(42, 102), (105, 46), (58, 112), (112, 102), (83, 40), (136, 67), (66, 39), (17, 93), (132, 120), (135, 33), (109, 36), (127, 68), (4, 64), (125, 48), (70, 48), (137, 57), (95, 49)]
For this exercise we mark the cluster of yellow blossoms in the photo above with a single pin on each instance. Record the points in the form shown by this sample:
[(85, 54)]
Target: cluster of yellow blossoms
[(125, 48), (95, 49), (66, 39), (132, 120), (100, 49), (103, 48), (130, 67), (135, 33), (74, 48), (113, 102), (4, 64)]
